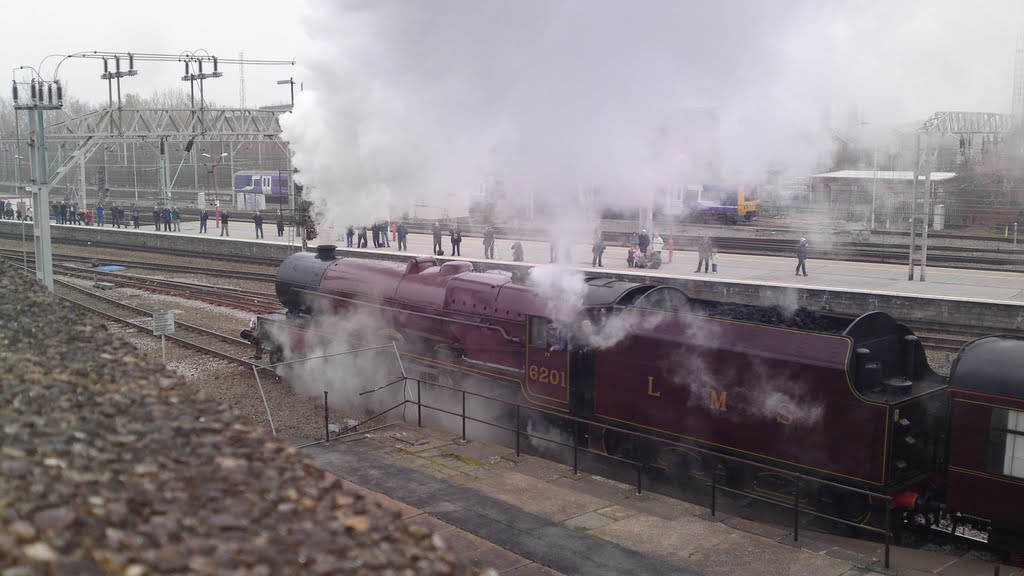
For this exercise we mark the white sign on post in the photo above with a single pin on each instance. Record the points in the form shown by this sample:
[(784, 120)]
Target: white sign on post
[(163, 323)]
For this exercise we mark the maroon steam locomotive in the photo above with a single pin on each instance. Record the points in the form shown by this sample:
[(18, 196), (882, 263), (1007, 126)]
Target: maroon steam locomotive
[(852, 401)]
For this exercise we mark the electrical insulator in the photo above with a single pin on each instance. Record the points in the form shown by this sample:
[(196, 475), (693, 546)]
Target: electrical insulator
[(49, 94), (214, 63), (186, 67), (200, 66), (14, 91), (117, 63), (32, 89), (131, 61), (106, 66), (60, 94)]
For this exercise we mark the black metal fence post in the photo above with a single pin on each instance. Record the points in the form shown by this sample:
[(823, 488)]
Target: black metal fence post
[(327, 426), (796, 511), (575, 451), (419, 405), (888, 531), (714, 489), (517, 430), (463, 415)]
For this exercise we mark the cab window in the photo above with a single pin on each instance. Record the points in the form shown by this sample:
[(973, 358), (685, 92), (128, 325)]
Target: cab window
[(1006, 443), (539, 332)]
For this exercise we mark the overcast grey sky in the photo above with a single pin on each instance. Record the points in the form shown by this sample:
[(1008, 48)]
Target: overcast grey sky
[(958, 54), (264, 29)]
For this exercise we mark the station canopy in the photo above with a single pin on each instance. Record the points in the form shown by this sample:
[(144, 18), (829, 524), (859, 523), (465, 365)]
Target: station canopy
[(907, 175)]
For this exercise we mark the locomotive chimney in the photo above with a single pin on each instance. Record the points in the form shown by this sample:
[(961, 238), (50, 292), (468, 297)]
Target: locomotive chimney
[(326, 252)]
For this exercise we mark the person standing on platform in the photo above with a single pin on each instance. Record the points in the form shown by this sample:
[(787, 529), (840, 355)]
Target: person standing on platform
[(402, 232), (350, 233), (157, 217), (224, 217), (115, 215), (100, 213), (598, 251), (801, 257), (280, 223), (657, 245), (176, 218), (204, 217), (362, 238), (714, 262), (167, 218), (456, 237), (385, 231), (643, 241), (136, 216), (435, 231), (71, 213), (488, 242), (703, 253), (517, 251), (258, 219)]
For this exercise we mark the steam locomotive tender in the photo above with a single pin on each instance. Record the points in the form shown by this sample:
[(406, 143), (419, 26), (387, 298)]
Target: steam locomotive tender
[(850, 401)]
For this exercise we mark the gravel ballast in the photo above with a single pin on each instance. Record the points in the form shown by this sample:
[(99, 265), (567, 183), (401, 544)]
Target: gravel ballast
[(111, 464)]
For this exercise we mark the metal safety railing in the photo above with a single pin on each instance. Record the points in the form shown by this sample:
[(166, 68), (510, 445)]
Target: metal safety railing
[(800, 481)]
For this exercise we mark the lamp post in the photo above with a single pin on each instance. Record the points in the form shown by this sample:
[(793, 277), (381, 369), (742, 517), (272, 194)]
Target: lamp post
[(291, 85), (18, 171), (874, 175), (874, 184), (216, 193), (220, 158)]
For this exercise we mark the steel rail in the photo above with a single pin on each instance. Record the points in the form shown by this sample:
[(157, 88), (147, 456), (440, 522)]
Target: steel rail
[(182, 341), (141, 311)]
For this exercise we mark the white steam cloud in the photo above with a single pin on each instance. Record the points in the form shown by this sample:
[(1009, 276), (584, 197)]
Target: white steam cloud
[(428, 102)]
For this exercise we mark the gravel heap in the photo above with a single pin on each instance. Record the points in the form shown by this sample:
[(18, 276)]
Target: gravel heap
[(110, 464)]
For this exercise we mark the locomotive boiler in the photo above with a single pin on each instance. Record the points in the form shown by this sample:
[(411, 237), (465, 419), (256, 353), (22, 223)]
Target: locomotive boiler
[(849, 400)]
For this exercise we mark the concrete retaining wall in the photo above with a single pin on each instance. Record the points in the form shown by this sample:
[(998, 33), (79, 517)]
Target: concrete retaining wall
[(981, 314)]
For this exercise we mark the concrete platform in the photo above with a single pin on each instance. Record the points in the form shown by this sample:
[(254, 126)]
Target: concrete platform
[(524, 515), (989, 286), (985, 299)]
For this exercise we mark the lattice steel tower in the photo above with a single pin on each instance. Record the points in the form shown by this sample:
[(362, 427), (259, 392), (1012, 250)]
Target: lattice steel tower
[(1018, 79), (242, 79)]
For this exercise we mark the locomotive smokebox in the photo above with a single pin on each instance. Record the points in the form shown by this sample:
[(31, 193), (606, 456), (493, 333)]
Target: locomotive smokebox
[(301, 273)]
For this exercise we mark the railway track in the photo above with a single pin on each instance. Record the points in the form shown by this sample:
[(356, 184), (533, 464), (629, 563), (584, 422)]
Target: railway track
[(195, 337), (18, 256), (246, 300), (74, 263), (253, 260)]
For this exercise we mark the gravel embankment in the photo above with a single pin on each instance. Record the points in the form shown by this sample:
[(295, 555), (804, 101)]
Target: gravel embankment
[(110, 464), (298, 418)]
